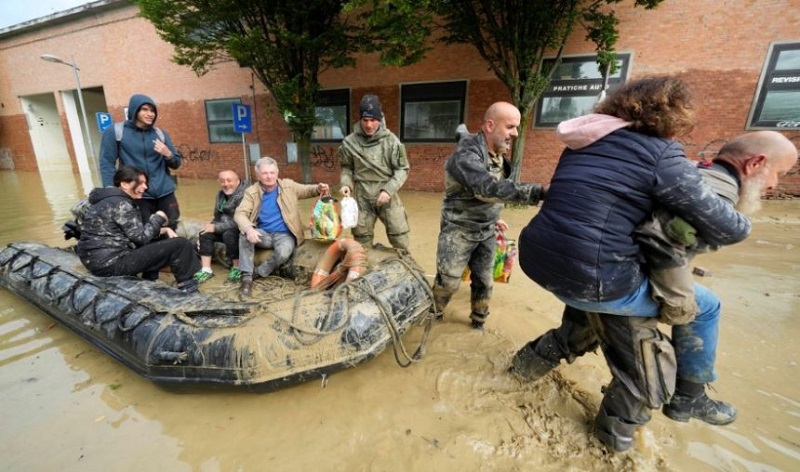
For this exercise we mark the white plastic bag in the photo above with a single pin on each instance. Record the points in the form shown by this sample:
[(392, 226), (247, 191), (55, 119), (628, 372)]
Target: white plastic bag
[(349, 209)]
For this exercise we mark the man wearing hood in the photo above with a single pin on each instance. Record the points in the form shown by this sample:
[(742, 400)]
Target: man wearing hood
[(114, 241), (148, 148), (621, 164), (374, 163)]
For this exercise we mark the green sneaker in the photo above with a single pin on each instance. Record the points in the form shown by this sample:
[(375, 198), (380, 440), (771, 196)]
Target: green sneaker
[(201, 276), (234, 275)]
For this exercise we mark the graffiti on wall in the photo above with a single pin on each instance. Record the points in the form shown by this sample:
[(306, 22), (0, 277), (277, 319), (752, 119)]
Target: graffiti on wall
[(323, 157), (196, 154)]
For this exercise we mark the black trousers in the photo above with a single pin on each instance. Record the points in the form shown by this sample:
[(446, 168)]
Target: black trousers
[(230, 238), (177, 253), (168, 204)]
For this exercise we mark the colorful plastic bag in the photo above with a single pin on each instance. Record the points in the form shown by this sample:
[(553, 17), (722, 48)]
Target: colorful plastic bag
[(349, 212), (505, 255), (325, 223)]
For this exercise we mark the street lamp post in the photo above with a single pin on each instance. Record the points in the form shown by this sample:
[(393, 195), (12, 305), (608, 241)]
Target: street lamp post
[(58, 60)]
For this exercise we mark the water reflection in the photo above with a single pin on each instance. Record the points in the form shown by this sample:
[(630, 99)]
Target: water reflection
[(66, 405)]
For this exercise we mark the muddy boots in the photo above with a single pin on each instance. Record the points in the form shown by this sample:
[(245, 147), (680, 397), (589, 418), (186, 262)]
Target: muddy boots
[(690, 401), (536, 358), (614, 432), (574, 338)]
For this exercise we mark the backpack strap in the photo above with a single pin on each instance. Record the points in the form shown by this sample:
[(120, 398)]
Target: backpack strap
[(119, 127)]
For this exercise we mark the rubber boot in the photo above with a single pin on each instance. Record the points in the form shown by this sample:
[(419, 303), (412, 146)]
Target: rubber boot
[(529, 365), (614, 432)]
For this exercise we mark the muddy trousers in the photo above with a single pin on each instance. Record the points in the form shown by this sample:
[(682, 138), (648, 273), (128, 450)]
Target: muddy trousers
[(176, 253), (459, 248), (282, 245), (392, 215)]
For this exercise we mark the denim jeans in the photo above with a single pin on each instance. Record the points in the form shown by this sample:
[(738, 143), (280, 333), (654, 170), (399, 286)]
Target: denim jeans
[(282, 245), (695, 343)]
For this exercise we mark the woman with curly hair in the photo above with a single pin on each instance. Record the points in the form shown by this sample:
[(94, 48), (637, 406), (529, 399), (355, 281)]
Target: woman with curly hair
[(622, 163)]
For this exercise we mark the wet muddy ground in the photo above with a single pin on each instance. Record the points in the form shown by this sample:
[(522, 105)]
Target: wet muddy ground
[(68, 406)]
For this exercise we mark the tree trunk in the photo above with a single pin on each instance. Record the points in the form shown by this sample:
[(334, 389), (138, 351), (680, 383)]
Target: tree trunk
[(304, 156), (519, 144)]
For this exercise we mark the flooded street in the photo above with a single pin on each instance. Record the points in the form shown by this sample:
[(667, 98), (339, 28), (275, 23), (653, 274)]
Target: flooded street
[(65, 405)]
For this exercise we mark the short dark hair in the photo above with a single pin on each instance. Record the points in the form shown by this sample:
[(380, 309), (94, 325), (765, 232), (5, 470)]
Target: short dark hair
[(128, 174), (656, 106)]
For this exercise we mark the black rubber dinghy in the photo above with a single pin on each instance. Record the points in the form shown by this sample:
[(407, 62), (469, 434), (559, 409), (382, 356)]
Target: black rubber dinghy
[(287, 334)]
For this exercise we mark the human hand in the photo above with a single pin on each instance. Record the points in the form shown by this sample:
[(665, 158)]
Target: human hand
[(345, 191), (162, 149), (252, 235), (169, 232), (208, 228), (501, 226), (383, 198), (162, 215), (323, 188)]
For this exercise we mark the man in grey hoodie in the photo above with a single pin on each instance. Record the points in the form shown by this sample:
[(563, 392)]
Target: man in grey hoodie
[(139, 143)]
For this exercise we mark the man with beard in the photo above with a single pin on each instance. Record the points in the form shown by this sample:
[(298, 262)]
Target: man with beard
[(476, 185), (669, 242), (621, 164), (374, 163)]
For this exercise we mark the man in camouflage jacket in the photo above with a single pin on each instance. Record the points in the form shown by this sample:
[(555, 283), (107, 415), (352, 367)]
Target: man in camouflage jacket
[(475, 186)]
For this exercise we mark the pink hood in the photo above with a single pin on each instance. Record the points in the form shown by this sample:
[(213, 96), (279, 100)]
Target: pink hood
[(584, 130)]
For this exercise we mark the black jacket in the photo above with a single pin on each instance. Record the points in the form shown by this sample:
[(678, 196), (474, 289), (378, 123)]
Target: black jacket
[(113, 227), (225, 207), (581, 243), (476, 185)]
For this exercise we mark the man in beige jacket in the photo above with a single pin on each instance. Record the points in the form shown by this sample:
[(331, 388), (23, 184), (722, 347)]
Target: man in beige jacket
[(269, 218)]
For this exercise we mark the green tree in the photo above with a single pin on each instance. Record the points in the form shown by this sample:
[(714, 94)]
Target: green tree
[(513, 36), (287, 45)]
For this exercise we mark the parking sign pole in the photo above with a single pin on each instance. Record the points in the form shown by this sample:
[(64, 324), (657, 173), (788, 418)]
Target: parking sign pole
[(246, 161)]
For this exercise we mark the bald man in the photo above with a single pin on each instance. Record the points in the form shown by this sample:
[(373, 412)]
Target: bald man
[(222, 228), (476, 186), (745, 169)]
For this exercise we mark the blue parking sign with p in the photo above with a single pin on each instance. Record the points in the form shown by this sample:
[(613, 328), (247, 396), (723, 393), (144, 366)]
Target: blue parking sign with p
[(242, 122), (104, 120)]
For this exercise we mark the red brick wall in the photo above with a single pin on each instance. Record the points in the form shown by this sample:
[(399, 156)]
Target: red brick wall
[(717, 46)]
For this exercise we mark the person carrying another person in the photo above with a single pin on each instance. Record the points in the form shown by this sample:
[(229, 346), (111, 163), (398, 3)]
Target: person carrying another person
[(582, 247), (139, 143), (114, 241), (374, 167), (222, 228), (476, 184), (269, 218)]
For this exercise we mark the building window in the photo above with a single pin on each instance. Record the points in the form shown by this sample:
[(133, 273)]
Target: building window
[(333, 115), (575, 87), (431, 112), (777, 101), (219, 117)]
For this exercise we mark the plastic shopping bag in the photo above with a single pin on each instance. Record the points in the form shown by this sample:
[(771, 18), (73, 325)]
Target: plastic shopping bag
[(349, 212), (325, 222), (505, 257)]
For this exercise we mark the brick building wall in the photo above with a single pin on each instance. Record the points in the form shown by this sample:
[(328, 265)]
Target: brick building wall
[(706, 42)]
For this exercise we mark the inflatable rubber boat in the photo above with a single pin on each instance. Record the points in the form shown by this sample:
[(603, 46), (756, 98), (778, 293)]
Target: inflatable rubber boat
[(289, 333)]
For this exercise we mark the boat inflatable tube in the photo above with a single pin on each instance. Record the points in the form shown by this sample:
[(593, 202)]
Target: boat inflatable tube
[(288, 334)]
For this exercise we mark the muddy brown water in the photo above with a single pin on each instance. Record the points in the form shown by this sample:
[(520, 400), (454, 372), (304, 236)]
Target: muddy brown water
[(65, 405)]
